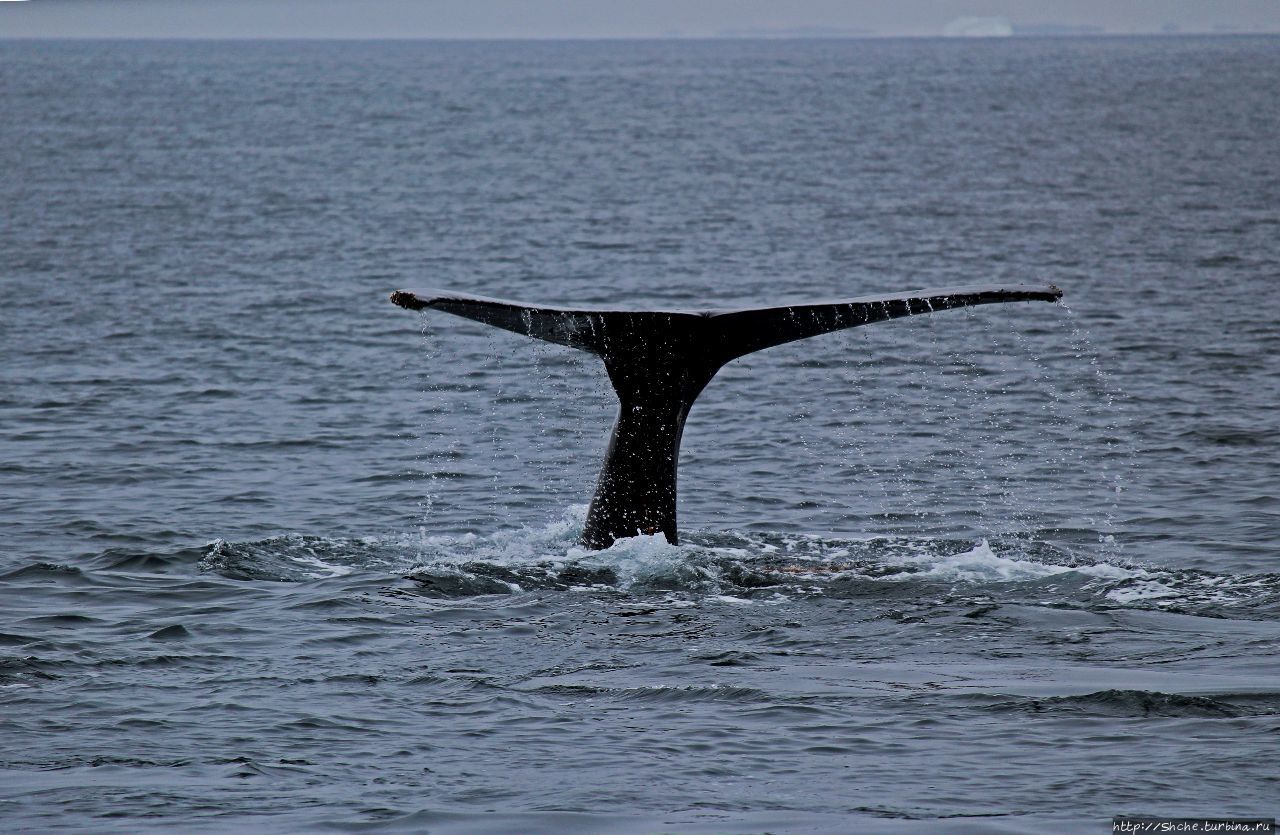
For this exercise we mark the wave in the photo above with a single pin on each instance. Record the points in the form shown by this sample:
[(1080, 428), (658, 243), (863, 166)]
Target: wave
[(744, 568), (1146, 703)]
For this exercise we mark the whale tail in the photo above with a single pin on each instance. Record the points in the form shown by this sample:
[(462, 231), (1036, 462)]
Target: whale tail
[(659, 361)]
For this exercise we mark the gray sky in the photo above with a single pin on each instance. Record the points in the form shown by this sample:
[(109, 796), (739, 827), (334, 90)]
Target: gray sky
[(606, 18)]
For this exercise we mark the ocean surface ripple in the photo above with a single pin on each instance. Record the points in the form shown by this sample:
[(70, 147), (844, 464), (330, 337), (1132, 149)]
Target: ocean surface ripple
[(277, 555)]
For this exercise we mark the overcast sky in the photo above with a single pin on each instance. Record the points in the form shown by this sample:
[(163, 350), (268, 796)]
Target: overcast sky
[(607, 18)]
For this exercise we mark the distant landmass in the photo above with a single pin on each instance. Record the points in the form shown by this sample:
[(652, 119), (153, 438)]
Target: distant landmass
[(1057, 29), (796, 32), (981, 27)]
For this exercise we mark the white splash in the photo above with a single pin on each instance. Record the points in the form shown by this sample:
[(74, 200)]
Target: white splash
[(983, 565), (326, 570)]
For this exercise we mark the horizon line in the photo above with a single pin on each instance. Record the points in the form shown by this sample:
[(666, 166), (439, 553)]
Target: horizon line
[(870, 36)]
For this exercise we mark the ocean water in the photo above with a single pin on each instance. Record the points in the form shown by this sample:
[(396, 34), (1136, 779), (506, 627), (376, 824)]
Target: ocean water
[(277, 555)]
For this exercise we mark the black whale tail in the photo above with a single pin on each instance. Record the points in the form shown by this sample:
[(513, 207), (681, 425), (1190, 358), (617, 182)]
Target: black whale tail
[(659, 361)]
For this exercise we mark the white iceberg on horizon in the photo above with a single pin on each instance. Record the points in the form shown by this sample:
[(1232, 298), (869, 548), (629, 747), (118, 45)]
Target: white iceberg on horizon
[(978, 27)]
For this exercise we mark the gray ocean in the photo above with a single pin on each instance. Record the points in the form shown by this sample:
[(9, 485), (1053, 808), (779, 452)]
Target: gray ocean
[(279, 556)]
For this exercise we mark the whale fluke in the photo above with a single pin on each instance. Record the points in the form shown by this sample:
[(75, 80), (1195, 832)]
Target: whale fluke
[(659, 361)]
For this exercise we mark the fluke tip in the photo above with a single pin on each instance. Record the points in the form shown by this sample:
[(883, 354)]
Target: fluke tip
[(407, 300)]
